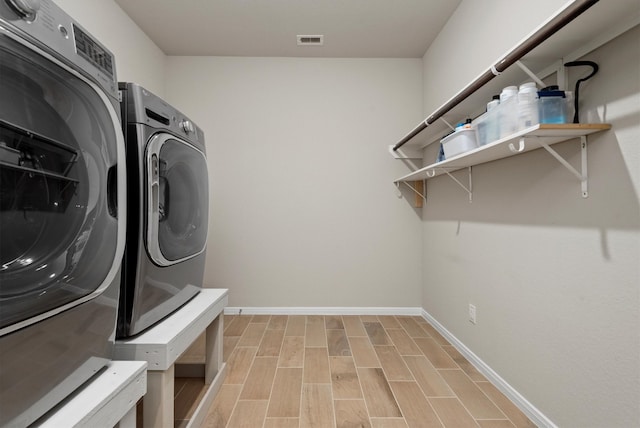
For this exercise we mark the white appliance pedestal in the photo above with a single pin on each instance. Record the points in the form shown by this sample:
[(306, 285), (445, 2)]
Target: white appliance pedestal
[(108, 399), (161, 345)]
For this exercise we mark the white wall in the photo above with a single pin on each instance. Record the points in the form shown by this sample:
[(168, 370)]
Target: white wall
[(138, 59), (303, 209), (302, 205), (555, 277), (475, 36)]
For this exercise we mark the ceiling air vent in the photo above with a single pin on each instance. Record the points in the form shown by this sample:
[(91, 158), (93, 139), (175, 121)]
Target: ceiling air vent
[(310, 40)]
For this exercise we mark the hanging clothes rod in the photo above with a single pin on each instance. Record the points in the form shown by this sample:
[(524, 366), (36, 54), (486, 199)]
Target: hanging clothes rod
[(543, 33)]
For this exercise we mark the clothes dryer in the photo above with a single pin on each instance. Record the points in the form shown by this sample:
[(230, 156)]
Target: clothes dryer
[(62, 204), (168, 210)]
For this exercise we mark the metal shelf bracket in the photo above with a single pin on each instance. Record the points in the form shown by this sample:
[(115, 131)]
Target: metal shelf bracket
[(469, 189), (581, 175), (406, 153), (530, 74), (413, 189), (448, 124)]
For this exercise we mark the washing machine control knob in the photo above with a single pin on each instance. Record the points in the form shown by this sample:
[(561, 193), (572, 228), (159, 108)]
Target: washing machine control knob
[(187, 126), (26, 9)]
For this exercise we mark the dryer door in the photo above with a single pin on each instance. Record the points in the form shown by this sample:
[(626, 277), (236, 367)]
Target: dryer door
[(61, 241), (177, 200)]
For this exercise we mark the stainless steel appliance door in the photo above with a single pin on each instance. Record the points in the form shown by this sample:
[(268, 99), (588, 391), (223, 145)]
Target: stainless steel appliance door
[(61, 193), (177, 200)]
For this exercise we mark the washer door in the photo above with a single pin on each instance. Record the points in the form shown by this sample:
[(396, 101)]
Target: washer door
[(177, 200), (61, 241)]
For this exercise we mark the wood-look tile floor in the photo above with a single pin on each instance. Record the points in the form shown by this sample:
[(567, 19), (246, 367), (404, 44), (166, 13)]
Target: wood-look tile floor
[(345, 372)]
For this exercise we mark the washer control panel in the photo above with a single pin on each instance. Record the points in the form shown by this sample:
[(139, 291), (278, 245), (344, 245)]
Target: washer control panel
[(44, 24)]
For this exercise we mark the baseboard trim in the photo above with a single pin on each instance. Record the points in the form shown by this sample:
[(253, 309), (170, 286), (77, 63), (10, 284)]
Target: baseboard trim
[(339, 310), (523, 404)]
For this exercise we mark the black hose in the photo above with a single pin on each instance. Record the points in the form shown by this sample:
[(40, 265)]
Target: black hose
[(594, 70)]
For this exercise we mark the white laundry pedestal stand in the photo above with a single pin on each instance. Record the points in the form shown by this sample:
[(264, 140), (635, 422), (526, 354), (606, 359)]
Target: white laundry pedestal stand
[(161, 345), (104, 401)]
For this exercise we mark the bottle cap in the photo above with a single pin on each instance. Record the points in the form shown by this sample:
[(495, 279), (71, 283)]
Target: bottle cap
[(551, 91)]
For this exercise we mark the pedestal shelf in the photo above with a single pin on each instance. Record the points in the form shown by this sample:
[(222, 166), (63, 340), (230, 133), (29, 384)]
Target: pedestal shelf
[(164, 343)]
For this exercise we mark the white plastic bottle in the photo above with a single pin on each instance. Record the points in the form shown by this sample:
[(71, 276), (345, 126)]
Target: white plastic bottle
[(493, 103), (508, 116), (527, 105), (507, 93), (492, 123)]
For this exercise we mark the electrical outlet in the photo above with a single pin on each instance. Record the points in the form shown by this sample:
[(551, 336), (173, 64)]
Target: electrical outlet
[(472, 313)]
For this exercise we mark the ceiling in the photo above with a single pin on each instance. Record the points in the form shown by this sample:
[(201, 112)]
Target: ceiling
[(351, 28)]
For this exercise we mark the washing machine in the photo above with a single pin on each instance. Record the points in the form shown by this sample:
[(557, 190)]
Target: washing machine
[(62, 207), (168, 210)]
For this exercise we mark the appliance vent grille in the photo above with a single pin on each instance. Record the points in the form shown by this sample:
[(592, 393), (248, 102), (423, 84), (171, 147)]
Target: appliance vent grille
[(306, 40)]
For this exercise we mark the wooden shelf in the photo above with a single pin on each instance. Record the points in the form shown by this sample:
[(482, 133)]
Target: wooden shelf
[(532, 138)]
